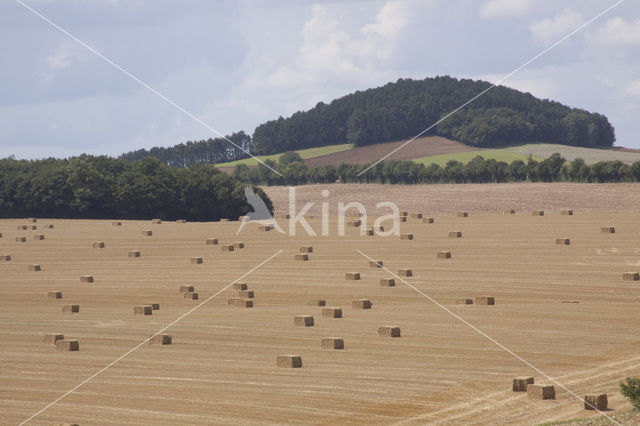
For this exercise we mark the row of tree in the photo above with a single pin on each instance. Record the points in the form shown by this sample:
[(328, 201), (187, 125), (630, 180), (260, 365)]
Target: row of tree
[(219, 150), (103, 187), (478, 170), (501, 116)]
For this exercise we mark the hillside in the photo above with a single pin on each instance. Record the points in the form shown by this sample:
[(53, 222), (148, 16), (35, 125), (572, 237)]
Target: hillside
[(404, 109)]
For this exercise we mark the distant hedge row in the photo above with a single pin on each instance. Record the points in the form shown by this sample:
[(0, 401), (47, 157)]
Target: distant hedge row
[(103, 187), (479, 170)]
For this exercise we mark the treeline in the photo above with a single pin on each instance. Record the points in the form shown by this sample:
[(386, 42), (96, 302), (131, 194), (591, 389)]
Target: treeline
[(208, 151), (101, 187), (478, 170), (405, 108)]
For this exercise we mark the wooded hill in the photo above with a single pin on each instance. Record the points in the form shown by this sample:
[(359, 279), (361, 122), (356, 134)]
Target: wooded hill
[(400, 110)]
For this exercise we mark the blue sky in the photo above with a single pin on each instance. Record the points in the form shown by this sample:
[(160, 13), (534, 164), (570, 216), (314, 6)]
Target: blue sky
[(235, 64)]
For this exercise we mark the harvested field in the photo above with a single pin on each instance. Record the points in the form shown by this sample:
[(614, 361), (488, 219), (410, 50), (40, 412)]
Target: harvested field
[(222, 364), (473, 198)]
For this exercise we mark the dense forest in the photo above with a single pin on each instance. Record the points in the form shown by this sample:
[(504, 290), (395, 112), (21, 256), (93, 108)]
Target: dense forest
[(102, 187), (479, 170), (403, 109), (210, 151)]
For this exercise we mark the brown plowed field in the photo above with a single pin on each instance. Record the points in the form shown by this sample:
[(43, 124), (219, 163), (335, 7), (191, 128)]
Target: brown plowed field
[(421, 147), (221, 367)]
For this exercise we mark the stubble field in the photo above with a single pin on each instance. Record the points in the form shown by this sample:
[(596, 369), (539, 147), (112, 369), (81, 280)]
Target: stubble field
[(565, 309)]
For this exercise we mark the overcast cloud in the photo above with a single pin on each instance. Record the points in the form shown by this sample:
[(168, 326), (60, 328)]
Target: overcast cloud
[(236, 64)]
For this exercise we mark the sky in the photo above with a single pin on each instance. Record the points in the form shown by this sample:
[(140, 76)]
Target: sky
[(236, 64)]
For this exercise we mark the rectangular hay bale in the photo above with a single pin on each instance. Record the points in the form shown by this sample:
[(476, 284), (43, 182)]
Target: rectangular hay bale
[(302, 257), (361, 304), (485, 300), (537, 213), (289, 361), (541, 392), (596, 402), (160, 339), (405, 272), (317, 302), (212, 241), (354, 223), (35, 268), (38, 237), (303, 321), (134, 253), (5, 257), (147, 233), (67, 345), (455, 234), (190, 295), (306, 249), (186, 289), (247, 294), (387, 282), (369, 232), (142, 310), (416, 215), (444, 255), (154, 306), (240, 286), (608, 229), (563, 241), (352, 276), (196, 260), (70, 309), (156, 221), (567, 212), (389, 331), (631, 276), (375, 263), (98, 244), (332, 343), (463, 214), (406, 236), (51, 339), (465, 301), (227, 247), (238, 245), (332, 312), (116, 223), (520, 383), (54, 295), (21, 239), (86, 279), (509, 211), (428, 220)]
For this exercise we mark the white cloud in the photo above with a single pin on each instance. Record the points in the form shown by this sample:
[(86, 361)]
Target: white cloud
[(617, 31), (633, 88), (551, 29), (504, 8), (333, 58)]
